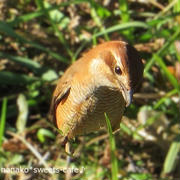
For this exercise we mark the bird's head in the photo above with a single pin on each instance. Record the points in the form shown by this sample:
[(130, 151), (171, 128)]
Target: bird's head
[(122, 66)]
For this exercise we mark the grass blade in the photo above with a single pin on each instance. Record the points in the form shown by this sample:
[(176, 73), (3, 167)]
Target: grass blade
[(3, 119), (125, 17), (6, 29), (135, 24), (171, 156), (163, 99), (97, 19), (32, 65), (45, 73), (43, 133), (44, 5), (10, 78), (166, 45), (171, 78), (41, 12), (114, 167), (23, 113)]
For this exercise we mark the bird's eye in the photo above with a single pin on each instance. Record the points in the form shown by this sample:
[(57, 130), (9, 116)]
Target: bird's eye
[(118, 70)]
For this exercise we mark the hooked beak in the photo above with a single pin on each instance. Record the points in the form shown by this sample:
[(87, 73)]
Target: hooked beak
[(128, 94)]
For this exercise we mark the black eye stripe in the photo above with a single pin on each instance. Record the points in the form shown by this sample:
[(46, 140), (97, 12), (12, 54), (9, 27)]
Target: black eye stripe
[(118, 70)]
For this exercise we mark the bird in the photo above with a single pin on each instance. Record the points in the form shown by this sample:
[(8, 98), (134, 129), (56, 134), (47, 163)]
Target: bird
[(102, 81)]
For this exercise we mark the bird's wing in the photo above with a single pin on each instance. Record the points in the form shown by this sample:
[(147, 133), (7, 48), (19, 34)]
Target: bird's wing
[(63, 87), (61, 93)]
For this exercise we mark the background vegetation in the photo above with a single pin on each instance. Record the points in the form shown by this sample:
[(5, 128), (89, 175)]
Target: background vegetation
[(39, 39)]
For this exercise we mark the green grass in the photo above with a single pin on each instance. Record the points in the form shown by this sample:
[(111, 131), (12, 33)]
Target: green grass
[(114, 162), (171, 157), (3, 120), (39, 39)]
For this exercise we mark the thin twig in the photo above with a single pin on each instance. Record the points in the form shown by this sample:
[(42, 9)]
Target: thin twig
[(156, 4), (100, 138), (148, 95), (167, 8)]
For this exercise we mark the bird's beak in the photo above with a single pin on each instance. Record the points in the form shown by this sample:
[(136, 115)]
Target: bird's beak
[(128, 94)]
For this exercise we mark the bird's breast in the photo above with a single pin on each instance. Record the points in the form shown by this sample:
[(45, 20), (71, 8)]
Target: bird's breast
[(83, 112)]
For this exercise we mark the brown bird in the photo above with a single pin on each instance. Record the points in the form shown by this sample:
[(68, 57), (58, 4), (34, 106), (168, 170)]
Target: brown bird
[(103, 80)]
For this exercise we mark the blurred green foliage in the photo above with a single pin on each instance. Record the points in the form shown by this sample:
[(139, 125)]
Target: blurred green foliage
[(39, 39)]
